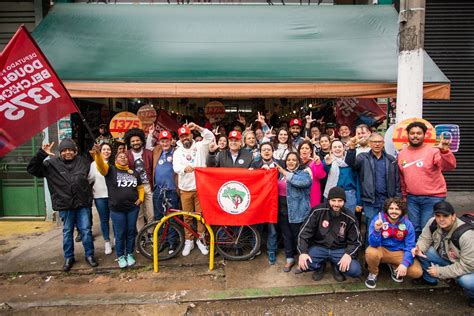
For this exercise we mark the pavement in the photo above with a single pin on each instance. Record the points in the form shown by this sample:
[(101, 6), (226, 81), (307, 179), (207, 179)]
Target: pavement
[(33, 251)]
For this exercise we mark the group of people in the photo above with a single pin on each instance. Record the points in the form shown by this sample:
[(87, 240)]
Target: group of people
[(327, 180)]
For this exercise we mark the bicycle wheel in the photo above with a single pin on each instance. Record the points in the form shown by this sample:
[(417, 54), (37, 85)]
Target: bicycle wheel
[(170, 240), (237, 242)]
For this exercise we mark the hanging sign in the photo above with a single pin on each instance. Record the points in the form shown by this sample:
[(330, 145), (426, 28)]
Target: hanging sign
[(122, 122), (214, 111), (147, 115)]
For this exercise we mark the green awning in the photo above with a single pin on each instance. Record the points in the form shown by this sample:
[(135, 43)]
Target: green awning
[(216, 50)]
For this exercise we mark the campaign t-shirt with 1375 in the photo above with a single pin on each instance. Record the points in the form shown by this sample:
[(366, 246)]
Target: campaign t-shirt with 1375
[(122, 188)]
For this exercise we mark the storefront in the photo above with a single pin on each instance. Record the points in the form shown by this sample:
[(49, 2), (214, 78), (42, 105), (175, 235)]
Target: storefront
[(250, 55)]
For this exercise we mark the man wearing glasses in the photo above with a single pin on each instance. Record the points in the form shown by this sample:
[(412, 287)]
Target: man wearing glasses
[(378, 175)]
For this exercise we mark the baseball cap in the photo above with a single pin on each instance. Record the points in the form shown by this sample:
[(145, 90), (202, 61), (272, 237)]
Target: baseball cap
[(164, 134), (184, 130), (331, 125), (235, 134), (295, 121), (443, 208)]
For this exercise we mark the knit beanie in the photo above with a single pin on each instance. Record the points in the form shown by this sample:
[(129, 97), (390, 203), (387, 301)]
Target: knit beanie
[(67, 143), (337, 193)]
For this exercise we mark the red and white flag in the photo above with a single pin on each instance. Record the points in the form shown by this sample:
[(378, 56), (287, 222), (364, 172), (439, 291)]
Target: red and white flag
[(235, 196), (32, 96)]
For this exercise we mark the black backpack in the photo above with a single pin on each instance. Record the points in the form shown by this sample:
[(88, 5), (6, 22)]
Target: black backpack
[(468, 219)]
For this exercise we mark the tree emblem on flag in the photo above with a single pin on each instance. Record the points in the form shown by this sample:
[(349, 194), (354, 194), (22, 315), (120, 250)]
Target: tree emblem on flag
[(233, 197)]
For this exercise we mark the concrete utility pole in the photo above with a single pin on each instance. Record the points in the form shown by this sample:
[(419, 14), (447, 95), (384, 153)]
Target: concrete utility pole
[(410, 59)]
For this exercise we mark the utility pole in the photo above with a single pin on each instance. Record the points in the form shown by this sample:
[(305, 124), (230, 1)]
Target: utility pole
[(410, 59)]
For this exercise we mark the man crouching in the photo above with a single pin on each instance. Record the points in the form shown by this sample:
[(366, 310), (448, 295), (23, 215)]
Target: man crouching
[(391, 239), (330, 234)]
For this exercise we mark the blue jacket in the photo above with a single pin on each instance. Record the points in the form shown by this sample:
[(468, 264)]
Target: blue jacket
[(394, 237), (298, 187)]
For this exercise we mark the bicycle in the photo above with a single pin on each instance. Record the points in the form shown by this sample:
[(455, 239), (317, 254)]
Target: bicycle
[(235, 243)]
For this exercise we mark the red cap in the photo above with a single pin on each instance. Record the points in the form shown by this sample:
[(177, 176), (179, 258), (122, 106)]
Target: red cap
[(295, 121), (235, 134), (164, 134), (184, 130)]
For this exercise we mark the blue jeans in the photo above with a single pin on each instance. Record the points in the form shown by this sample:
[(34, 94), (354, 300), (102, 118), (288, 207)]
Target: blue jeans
[(125, 229), (465, 281), (351, 201), (158, 209), (272, 237), (370, 211), (102, 206), (320, 254), (420, 210), (80, 218)]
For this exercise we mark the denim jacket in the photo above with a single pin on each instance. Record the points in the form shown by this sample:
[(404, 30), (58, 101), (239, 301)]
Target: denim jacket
[(298, 189)]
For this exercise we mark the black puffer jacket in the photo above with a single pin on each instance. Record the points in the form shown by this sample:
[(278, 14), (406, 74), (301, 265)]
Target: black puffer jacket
[(67, 182)]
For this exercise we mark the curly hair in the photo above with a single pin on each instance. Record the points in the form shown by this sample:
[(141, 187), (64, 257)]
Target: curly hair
[(134, 132), (399, 202)]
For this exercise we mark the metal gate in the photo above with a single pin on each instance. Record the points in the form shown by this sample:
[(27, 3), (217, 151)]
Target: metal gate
[(21, 195), (449, 40)]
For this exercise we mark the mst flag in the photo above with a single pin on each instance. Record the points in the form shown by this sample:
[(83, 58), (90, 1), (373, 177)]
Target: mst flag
[(235, 196), (31, 95)]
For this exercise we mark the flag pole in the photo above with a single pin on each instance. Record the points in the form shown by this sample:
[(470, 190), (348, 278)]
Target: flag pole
[(86, 125)]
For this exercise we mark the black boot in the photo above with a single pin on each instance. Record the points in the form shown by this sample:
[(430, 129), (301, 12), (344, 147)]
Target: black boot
[(68, 263), (91, 261), (318, 274), (338, 276)]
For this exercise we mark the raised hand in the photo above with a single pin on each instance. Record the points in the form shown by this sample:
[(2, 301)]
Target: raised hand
[(95, 149), (328, 159), (151, 129), (309, 119), (378, 223), (48, 148), (260, 118), (213, 147), (268, 134), (443, 143)]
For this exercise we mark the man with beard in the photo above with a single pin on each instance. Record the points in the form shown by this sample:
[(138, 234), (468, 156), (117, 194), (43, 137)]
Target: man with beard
[(140, 159), (421, 174), (71, 194), (295, 130), (391, 240), (330, 234), (187, 156)]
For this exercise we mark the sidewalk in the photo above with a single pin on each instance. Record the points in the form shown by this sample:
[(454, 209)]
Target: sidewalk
[(31, 275)]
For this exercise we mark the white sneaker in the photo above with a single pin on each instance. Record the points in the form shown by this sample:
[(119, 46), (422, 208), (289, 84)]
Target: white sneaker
[(202, 247), (108, 248), (188, 246)]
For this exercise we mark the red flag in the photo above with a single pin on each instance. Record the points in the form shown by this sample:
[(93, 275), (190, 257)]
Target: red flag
[(32, 96), (235, 196)]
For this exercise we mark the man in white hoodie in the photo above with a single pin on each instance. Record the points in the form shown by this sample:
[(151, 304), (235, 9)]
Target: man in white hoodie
[(187, 156)]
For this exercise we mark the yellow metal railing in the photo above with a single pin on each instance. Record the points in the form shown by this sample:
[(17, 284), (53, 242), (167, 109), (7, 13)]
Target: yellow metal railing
[(196, 216)]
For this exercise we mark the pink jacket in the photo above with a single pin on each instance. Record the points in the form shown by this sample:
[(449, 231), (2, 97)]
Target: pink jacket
[(318, 174), (421, 170)]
